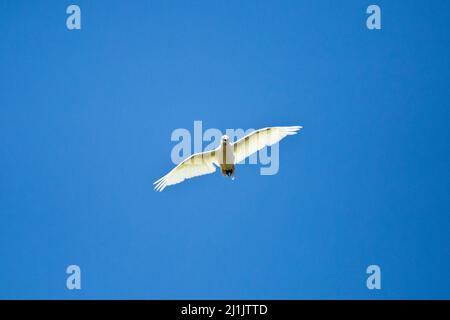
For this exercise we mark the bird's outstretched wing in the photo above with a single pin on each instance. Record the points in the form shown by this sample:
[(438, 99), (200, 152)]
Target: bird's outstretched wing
[(259, 139), (196, 165)]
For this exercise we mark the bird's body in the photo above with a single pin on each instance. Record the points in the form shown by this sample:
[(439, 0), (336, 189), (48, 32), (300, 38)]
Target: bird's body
[(225, 156)]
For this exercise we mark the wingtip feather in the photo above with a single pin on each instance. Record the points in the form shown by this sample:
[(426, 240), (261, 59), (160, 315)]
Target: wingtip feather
[(160, 184), (292, 130)]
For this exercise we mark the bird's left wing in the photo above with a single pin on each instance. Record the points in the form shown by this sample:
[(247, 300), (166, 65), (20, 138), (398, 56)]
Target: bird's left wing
[(196, 165), (259, 139)]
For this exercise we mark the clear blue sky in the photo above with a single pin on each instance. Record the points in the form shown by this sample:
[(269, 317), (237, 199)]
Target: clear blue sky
[(85, 124)]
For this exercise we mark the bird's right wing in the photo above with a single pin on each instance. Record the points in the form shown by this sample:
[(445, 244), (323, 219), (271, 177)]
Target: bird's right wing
[(259, 139), (196, 165)]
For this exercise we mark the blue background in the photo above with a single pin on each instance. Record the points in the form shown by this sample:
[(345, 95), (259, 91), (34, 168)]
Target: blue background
[(85, 124)]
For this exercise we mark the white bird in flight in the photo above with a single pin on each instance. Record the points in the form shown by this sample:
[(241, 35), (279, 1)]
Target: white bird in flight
[(225, 156)]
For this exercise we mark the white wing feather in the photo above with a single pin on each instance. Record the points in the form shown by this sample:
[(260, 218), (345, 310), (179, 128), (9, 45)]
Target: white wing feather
[(196, 165), (259, 139)]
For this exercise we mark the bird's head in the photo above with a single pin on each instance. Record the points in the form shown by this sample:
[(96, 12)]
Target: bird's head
[(224, 139)]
